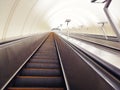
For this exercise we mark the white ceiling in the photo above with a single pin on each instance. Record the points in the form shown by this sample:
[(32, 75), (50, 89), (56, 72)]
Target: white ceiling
[(81, 12), (22, 17)]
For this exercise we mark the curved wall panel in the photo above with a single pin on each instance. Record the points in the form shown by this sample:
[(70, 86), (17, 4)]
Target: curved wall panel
[(5, 9), (17, 18)]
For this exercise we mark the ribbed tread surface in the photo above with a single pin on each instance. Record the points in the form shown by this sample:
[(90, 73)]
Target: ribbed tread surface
[(42, 65), (36, 81), (11, 88), (43, 61), (41, 72)]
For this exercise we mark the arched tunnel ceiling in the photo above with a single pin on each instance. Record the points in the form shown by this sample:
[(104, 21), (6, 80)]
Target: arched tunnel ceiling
[(24, 17), (79, 11)]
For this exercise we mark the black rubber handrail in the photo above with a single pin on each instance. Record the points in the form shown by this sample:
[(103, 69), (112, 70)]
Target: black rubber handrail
[(61, 64)]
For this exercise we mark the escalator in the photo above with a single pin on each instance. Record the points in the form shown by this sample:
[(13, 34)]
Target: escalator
[(42, 72)]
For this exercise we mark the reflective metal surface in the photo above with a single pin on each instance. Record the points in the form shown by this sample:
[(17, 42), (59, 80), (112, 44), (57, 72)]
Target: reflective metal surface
[(109, 57), (14, 54)]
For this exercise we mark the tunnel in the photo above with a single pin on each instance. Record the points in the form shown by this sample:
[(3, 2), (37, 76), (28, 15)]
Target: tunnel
[(59, 45)]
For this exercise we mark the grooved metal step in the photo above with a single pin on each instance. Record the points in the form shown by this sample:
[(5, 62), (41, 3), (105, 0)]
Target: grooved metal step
[(42, 65), (40, 72), (44, 57), (46, 53), (22, 88), (43, 61), (38, 81)]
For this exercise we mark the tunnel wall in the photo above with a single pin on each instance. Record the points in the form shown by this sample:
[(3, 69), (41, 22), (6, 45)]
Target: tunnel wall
[(21, 18), (13, 54)]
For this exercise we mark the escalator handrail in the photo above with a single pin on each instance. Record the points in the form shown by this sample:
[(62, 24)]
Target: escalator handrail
[(61, 64)]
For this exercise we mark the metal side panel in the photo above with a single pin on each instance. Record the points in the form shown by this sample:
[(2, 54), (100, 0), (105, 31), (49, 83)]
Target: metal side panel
[(14, 54), (80, 74)]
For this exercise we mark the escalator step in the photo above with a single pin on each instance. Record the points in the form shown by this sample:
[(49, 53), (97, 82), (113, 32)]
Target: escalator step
[(40, 72), (42, 65), (44, 55), (33, 81), (21, 88), (47, 49), (48, 52), (43, 61), (49, 57)]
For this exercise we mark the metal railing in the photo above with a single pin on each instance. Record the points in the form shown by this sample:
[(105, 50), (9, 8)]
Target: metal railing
[(115, 28)]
